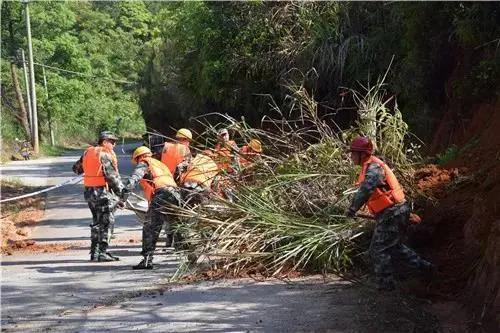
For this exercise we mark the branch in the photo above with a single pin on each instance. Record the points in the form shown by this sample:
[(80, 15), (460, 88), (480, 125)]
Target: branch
[(487, 43)]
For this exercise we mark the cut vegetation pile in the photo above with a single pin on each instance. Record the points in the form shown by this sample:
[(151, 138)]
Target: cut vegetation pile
[(291, 215)]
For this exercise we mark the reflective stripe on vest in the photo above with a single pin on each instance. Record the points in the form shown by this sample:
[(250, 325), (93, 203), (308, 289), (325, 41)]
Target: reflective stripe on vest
[(173, 154), (202, 170), (161, 177), (92, 166), (223, 155), (386, 195)]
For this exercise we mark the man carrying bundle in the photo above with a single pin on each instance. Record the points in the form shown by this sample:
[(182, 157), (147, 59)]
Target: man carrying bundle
[(198, 178), (381, 192)]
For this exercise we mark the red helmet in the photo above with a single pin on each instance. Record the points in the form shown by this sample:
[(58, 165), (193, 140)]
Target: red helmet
[(362, 144)]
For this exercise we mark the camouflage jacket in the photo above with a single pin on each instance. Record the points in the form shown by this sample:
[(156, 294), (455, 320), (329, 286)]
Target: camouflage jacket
[(140, 171), (375, 175)]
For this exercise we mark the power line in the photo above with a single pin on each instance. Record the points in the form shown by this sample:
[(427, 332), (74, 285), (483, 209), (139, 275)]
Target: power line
[(76, 73), (84, 74)]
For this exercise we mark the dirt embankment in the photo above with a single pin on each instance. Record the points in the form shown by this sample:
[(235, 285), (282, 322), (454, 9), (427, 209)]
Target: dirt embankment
[(19, 217), (464, 218)]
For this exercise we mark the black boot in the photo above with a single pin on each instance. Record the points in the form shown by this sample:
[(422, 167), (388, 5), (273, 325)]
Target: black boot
[(94, 252), (106, 257), (385, 283), (146, 263), (169, 240), (388, 286), (113, 256)]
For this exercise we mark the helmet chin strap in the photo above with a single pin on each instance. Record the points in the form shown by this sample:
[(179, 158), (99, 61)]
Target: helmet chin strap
[(142, 157), (361, 157), (364, 157)]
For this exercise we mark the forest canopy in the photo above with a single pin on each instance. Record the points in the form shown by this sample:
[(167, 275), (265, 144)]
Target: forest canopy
[(169, 61)]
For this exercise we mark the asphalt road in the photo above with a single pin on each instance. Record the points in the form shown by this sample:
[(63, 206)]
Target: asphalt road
[(64, 292)]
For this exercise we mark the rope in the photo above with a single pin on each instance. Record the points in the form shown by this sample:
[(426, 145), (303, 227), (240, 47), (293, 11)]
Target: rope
[(137, 196), (76, 180)]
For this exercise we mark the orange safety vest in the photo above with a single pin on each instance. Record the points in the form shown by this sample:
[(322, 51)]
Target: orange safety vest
[(223, 155), (92, 166), (161, 177), (202, 170), (174, 153), (385, 196), (247, 156)]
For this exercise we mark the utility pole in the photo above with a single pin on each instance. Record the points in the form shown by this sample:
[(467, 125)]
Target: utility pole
[(28, 96), (34, 138), (52, 141)]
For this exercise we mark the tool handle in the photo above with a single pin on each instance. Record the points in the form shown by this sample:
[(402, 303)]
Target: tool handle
[(366, 216)]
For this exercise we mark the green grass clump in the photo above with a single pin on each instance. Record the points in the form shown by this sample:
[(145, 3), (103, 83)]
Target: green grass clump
[(450, 154), (453, 152), (49, 150)]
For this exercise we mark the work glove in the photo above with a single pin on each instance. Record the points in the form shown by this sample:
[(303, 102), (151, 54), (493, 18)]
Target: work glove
[(124, 194), (415, 219), (350, 213), (78, 167)]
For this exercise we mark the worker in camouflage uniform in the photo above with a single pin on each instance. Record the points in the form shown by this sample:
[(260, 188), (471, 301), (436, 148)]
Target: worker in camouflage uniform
[(381, 192), (161, 191), (102, 186)]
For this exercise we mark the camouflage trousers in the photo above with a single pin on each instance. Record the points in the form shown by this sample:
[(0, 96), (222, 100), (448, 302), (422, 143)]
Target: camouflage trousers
[(158, 216), (387, 248), (102, 204)]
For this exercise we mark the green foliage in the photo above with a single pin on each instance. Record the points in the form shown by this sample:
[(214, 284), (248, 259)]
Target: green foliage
[(450, 154), (190, 58), (223, 56), (10, 128), (453, 152), (103, 42), (48, 150)]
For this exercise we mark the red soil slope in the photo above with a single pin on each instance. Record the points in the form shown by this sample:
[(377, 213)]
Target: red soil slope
[(465, 218)]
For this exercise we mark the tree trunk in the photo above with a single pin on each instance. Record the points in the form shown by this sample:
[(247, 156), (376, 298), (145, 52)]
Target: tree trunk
[(22, 115)]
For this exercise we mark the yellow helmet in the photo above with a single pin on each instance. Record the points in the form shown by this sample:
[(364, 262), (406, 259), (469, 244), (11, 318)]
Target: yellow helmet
[(141, 151), (255, 145), (184, 133)]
